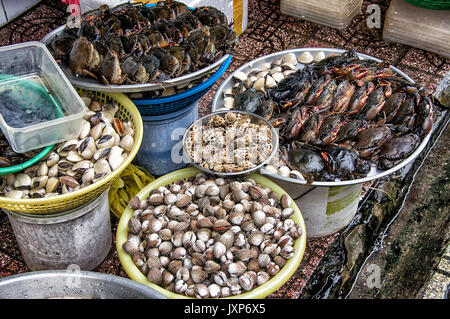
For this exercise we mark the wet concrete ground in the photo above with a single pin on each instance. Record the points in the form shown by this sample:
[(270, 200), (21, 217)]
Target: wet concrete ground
[(410, 247), (393, 246)]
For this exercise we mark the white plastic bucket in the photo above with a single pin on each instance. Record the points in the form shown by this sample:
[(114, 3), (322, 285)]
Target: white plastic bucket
[(326, 210)]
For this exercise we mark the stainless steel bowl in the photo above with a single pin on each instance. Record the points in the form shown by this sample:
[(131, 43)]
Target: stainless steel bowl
[(204, 119), (66, 284), (374, 173), (94, 85)]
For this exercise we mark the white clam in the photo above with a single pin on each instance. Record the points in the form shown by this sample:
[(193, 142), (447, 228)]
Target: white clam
[(284, 171), (290, 58), (270, 82), (109, 112), (15, 194), (305, 58), (74, 157), (276, 69), (115, 158), (228, 102), (278, 76), (85, 127), (227, 92), (108, 130), (296, 174), (97, 130), (319, 56), (102, 166), (240, 76), (265, 66), (271, 169), (259, 84), (87, 147), (262, 74), (127, 143), (251, 80)]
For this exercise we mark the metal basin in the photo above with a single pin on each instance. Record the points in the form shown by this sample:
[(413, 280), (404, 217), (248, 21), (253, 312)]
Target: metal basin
[(94, 85), (374, 173), (66, 284)]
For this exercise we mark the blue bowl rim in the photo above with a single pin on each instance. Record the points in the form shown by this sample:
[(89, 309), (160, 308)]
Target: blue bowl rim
[(190, 92)]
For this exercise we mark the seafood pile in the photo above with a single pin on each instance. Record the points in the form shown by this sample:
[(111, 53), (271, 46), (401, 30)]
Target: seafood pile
[(101, 147), (171, 90), (207, 237), (136, 44), (339, 117), (229, 142), (10, 158)]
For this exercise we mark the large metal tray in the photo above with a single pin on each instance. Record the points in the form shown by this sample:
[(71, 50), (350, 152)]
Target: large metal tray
[(94, 85), (374, 173)]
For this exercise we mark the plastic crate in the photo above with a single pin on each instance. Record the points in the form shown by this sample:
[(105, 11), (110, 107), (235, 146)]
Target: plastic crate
[(431, 4)]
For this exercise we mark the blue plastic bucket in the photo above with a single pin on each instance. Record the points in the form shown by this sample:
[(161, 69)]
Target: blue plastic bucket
[(161, 151)]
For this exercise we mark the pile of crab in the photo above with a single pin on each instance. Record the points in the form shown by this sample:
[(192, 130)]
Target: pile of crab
[(137, 44), (342, 117)]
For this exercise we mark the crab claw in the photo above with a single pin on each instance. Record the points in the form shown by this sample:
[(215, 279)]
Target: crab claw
[(357, 74)]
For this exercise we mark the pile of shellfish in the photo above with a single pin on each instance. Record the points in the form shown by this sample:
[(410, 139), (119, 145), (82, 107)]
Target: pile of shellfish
[(229, 142), (102, 145), (339, 117), (137, 44), (209, 237), (10, 158)]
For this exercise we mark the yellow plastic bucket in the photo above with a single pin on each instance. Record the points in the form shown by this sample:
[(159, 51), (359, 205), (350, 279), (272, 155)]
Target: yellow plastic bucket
[(258, 293)]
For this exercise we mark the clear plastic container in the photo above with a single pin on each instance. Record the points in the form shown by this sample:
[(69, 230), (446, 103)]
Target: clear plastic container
[(421, 28), (29, 72), (333, 13)]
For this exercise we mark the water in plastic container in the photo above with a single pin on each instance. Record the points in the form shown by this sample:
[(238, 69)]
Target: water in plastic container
[(25, 100)]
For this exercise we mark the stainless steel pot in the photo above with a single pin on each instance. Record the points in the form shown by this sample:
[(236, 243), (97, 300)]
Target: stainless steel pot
[(66, 284)]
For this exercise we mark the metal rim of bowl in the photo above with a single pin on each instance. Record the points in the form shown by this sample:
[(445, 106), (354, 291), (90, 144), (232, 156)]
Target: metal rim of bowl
[(275, 144), (94, 85), (43, 274), (260, 291), (254, 63)]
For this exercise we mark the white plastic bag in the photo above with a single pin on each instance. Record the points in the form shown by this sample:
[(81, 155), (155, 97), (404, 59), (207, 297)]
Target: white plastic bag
[(87, 5)]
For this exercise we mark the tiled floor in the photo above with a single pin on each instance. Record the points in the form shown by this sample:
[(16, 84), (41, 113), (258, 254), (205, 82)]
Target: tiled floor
[(439, 285), (269, 31)]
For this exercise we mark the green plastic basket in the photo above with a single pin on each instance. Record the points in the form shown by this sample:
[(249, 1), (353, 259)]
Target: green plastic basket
[(431, 4), (22, 166)]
